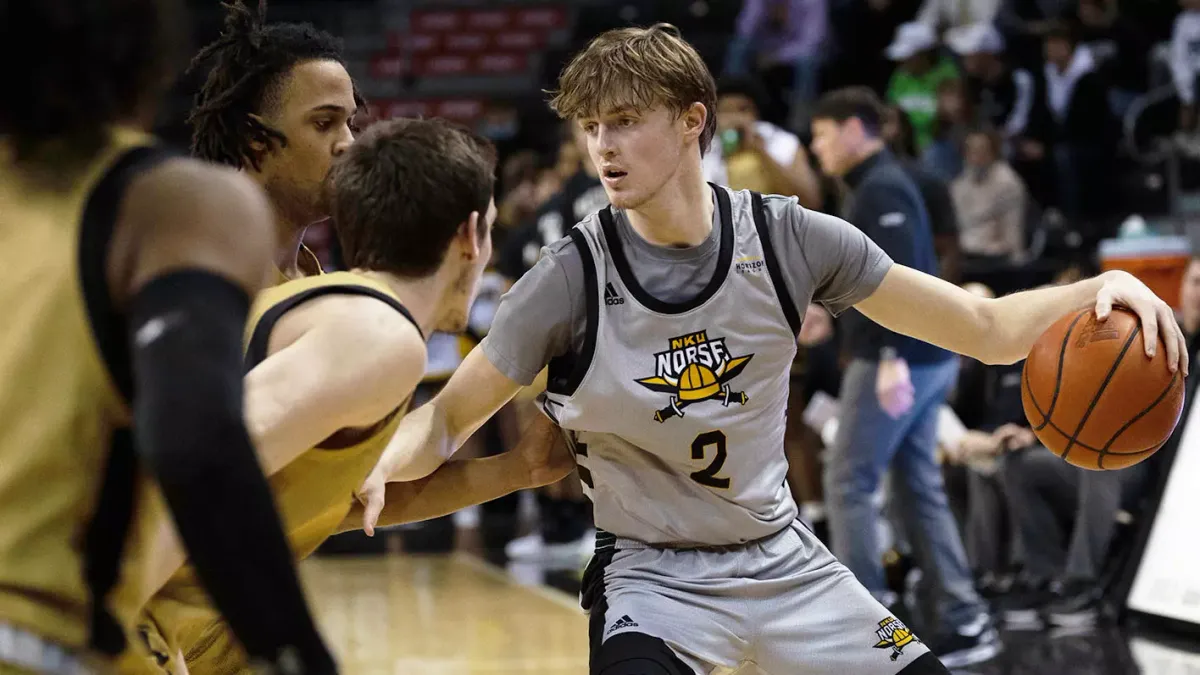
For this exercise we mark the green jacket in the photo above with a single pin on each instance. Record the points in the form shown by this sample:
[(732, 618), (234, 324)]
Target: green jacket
[(917, 96)]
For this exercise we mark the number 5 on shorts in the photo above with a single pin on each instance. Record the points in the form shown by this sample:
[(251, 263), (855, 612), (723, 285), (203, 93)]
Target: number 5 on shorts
[(708, 475)]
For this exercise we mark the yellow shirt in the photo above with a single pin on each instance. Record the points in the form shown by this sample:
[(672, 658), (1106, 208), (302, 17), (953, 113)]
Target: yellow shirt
[(66, 454), (314, 495)]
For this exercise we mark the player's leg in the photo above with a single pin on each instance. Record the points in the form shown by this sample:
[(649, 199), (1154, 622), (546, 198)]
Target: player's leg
[(657, 612), (862, 449), (810, 615)]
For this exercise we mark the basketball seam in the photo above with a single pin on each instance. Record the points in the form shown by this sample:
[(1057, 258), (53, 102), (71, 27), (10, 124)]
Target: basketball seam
[(1081, 444), (1062, 357), (1105, 450), (1073, 438)]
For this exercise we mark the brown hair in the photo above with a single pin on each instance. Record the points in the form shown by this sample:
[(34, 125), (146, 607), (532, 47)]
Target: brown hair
[(399, 194), (637, 68)]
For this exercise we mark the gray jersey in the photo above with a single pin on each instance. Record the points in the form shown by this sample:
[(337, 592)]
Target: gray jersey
[(724, 360)]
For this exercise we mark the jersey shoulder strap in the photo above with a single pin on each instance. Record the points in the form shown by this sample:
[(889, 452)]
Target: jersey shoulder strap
[(296, 293), (565, 372), (772, 261)]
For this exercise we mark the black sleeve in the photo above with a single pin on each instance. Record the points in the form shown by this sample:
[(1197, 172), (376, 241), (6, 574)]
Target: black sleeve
[(186, 339), (888, 216)]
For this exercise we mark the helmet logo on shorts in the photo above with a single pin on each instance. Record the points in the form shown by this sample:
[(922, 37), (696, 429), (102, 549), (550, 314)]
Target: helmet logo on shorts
[(693, 369), (894, 635)]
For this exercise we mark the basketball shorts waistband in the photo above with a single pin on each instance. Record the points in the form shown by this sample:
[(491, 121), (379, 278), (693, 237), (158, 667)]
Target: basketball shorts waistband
[(30, 651), (607, 540)]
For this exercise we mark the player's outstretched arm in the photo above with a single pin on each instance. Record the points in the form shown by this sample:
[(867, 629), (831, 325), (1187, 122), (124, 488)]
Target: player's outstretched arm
[(193, 243), (540, 458), (1003, 330), (337, 362), (429, 435)]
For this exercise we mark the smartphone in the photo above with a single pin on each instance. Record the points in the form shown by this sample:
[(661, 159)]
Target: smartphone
[(731, 140)]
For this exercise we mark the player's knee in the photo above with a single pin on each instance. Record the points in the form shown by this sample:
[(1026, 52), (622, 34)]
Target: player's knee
[(926, 664), (637, 654)]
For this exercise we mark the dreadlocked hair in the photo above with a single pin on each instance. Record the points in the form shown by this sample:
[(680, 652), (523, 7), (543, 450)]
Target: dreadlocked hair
[(245, 66), (99, 62)]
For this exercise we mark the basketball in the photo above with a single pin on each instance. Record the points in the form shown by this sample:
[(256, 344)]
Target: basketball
[(1093, 397)]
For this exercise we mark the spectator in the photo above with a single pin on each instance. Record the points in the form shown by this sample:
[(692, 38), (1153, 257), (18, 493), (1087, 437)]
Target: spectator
[(897, 133), (750, 154), (579, 194), (1120, 47), (1010, 100), (781, 33), (940, 14), (1082, 132), (990, 201), (1189, 303), (1066, 518), (892, 389), (1185, 61), (987, 399), (954, 117), (914, 85)]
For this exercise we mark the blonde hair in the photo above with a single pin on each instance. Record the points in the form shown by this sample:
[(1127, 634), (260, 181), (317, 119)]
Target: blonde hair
[(637, 68)]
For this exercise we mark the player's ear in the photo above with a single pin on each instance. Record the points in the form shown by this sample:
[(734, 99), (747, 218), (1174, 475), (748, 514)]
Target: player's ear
[(255, 144), (694, 119), (468, 236)]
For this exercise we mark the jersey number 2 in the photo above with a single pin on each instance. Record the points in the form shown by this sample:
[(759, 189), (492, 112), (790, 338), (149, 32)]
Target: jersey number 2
[(708, 475)]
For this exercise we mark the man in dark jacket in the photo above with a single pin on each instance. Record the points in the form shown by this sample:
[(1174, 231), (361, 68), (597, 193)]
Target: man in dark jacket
[(892, 390)]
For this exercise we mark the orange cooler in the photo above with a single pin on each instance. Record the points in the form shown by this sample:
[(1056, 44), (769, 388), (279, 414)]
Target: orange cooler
[(1159, 262)]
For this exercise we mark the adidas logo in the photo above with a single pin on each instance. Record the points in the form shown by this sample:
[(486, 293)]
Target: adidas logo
[(623, 622), (610, 296)]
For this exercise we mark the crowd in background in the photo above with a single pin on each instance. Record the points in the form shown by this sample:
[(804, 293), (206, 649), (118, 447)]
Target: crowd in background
[(1009, 117)]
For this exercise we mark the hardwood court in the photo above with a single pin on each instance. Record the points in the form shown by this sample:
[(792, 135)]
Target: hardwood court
[(443, 615)]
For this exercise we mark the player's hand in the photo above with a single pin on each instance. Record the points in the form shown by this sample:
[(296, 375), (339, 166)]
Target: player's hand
[(975, 444), (816, 328), (543, 452), (1157, 318), (1013, 437), (893, 387), (372, 496)]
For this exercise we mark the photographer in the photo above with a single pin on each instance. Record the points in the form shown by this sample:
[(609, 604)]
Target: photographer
[(750, 154)]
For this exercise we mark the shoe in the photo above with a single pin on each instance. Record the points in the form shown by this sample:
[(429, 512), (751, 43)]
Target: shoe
[(968, 645), (992, 587), (1077, 605), (533, 548), (1022, 606)]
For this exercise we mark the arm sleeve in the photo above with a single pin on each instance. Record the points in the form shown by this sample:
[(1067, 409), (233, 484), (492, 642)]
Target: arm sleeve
[(186, 344), (826, 259), (538, 317)]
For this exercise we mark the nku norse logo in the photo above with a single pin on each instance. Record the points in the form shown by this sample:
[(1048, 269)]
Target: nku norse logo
[(694, 369)]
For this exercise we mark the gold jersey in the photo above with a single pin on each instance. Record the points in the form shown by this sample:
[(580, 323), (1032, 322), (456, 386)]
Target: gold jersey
[(75, 512), (314, 494)]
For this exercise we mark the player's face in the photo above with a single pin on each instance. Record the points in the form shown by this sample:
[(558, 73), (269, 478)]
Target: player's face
[(315, 112), (637, 152), (830, 146), (462, 293)]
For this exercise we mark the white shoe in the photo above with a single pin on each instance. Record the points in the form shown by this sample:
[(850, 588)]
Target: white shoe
[(527, 548)]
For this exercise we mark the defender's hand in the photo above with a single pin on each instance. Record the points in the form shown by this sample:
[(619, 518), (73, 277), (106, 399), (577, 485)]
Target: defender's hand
[(371, 496), (1156, 317)]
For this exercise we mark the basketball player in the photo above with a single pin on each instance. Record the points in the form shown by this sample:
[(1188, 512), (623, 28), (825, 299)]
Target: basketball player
[(125, 285), (334, 358), (669, 322), (278, 104)]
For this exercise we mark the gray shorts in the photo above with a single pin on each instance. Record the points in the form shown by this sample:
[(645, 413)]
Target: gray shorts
[(783, 604)]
